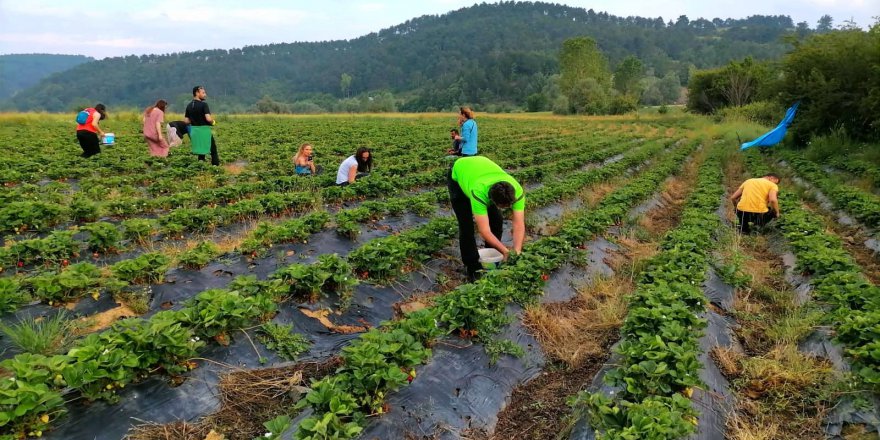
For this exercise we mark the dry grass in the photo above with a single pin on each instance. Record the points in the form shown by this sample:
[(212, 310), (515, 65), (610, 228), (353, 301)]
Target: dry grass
[(573, 331), (632, 260), (593, 194), (783, 374), (741, 429), (100, 321), (234, 168), (247, 399), (727, 360)]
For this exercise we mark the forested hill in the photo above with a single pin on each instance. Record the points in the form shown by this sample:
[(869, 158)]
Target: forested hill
[(486, 53), (20, 71)]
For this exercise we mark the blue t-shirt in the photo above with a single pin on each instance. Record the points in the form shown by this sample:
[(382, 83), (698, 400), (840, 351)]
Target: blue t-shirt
[(469, 137)]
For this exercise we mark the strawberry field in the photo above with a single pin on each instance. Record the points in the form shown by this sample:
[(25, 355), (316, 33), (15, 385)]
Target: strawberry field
[(149, 298)]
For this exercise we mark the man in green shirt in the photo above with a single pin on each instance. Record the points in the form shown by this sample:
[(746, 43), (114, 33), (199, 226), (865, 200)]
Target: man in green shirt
[(478, 190)]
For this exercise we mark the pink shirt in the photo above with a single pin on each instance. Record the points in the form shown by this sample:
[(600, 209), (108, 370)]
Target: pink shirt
[(150, 121)]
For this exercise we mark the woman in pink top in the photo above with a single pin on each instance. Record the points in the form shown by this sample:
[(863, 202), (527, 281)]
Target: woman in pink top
[(154, 116)]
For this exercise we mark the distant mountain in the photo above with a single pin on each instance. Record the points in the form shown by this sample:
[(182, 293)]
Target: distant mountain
[(20, 71), (487, 53)]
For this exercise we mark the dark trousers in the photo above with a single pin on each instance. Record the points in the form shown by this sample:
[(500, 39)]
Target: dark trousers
[(215, 158), (747, 219), (467, 242), (89, 142)]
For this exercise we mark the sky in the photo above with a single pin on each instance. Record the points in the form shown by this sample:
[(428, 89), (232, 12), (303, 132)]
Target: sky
[(107, 28)]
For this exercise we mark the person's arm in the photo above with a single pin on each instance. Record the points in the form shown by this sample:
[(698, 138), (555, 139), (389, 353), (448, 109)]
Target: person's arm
[(519, 230), (773, 200), (208, 116), (95, 119), (352, 173), (490, 238), (161, 138), (312, 166), (466, 132), (736, 196)]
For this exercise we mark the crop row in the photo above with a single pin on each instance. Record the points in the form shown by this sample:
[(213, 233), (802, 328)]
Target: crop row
[(60, 247), (101, 363), (40, 214), (79, 279), (855, 201), (45, 148), (34, 207), (859, 168), (346, 221), (837, 280), (383, 359), (660, 337), (123, 354)]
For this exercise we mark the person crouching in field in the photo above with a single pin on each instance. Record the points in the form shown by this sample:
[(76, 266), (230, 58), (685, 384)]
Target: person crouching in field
[(88, 132), (154, 116), (752, 200), (355, 167), (478, 190), (304, 161)]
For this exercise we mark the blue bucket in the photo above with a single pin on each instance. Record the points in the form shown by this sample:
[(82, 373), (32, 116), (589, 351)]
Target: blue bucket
[(109, 139)]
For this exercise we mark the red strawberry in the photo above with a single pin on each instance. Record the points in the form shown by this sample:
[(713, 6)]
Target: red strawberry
[(544, 277), (21, 263), (64, 263)]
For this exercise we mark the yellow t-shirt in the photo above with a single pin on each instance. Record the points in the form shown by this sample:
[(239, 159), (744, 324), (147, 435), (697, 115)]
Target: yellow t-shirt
[(754, 195)]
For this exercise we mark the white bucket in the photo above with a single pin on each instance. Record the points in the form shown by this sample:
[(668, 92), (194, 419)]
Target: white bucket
[(109, 138), (490, 257)]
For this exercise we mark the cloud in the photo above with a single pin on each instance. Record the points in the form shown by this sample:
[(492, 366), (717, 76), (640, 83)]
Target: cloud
[(370, 7), (56, 40)]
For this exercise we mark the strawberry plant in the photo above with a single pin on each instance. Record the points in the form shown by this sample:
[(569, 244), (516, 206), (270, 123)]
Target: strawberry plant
[(138, 230), (199, 256), (83, 209), (29, 393), (55, 248), (146, 268), (217, 311), (20, 217), (99, 365), (11, 295), (103, 237), (283, 341), (73, 282), (336, 412), (382, 259)]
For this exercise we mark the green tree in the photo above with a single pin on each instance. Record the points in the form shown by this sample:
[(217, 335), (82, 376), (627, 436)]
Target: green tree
[(584, 75), (345, 84), (670, 88), (628, 75), (836, 76), (825, 24)]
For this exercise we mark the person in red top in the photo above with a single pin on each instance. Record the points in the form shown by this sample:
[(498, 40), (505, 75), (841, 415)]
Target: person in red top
[(89, 133)]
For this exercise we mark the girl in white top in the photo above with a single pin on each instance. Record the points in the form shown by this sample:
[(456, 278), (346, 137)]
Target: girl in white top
[(354, 167)]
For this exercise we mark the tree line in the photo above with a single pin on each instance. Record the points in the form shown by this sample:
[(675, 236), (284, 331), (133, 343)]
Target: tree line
[(835, 74), (497, 57)]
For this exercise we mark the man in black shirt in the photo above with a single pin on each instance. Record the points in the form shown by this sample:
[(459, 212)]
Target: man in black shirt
[(198, 114)]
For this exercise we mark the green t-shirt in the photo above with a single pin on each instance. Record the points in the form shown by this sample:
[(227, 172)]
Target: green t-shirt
[(475, 175)]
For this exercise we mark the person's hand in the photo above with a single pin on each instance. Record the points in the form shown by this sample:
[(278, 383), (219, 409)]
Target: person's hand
[(213, 122), (505, 252)]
